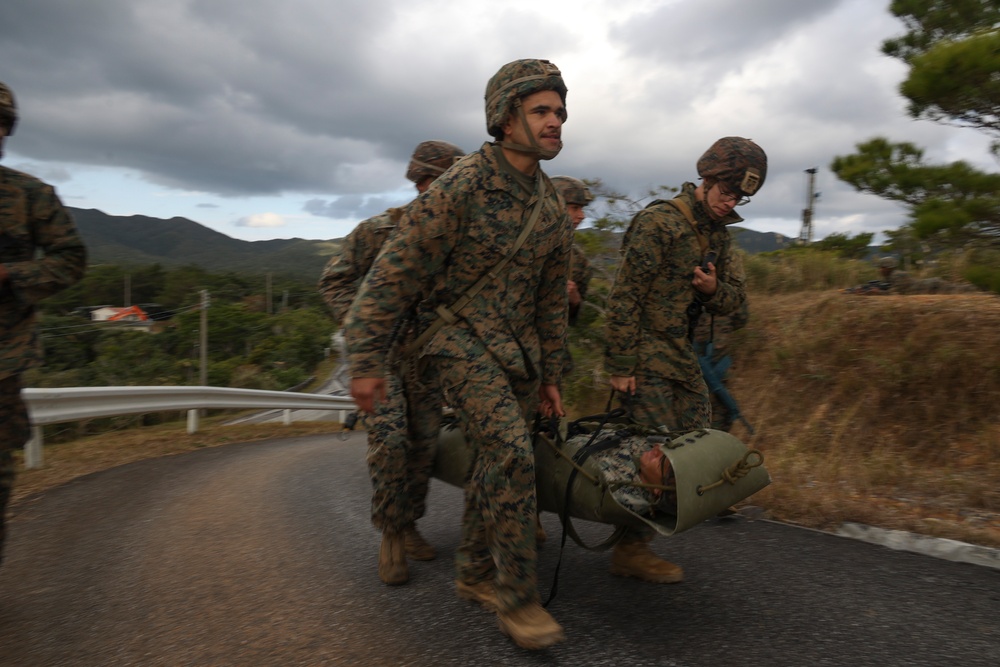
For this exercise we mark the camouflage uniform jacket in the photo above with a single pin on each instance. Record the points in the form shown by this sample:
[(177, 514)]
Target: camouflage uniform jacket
[(621, 464), (647, 327), (31, 219), (451, 235), (344, 272), (718, 329), (580, 272)]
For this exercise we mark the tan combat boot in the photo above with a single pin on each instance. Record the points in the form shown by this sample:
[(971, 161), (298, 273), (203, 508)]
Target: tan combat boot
[(634, 558), (483, 592), (540, 535), (417, 547), (531, 627), (392, 559)]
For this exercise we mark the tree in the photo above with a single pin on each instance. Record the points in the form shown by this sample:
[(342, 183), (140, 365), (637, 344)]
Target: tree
[(845, 245), (953, 50), (904, 242), (133, 358), (952, 205), (616, 209)]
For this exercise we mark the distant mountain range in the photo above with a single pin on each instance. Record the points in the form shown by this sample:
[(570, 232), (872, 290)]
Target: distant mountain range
[(754, 242), (138, 240), (141, 240)]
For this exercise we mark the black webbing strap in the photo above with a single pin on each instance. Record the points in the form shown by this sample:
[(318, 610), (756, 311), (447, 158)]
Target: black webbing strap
[(579, 458)]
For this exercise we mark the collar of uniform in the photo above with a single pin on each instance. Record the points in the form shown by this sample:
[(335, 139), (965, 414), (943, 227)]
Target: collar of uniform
[(505, 176)]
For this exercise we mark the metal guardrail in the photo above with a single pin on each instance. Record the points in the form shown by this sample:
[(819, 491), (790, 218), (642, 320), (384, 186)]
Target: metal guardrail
[(54, 406)]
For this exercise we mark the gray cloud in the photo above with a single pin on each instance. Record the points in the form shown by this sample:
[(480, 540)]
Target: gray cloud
[(351, 207), (235, 98), (713, 35), (325, 101)]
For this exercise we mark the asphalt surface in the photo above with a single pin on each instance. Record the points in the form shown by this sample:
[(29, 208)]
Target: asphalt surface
[(263, 554)]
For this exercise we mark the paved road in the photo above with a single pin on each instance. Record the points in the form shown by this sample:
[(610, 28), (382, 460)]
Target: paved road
[(262, 554)]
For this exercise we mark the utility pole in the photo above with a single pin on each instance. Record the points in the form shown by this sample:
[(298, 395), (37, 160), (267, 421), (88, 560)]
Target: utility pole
[(267, 303), (806, 235), (204, 338), (128, 290)]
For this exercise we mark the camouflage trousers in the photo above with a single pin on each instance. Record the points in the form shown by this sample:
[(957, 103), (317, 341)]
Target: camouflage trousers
[(498, 523), (13, 434), (402, 436), (680, 406)]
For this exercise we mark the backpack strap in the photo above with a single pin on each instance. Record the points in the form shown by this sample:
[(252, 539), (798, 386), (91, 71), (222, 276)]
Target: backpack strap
[(694, 309), (685, 210), (450, 314)]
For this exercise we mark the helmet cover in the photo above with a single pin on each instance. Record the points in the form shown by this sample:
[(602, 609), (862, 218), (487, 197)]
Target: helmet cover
[(513, 81), (573, 190), (432, 158), (737, 162)]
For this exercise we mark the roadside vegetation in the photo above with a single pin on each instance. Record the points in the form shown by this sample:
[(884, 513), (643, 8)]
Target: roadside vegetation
[(869, 409), (255, 339)]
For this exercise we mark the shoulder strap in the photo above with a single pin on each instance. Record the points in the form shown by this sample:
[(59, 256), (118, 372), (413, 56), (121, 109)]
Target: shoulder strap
[(683, 207), (449, 315)]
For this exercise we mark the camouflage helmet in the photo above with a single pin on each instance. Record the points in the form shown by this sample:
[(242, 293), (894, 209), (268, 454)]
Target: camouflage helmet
[(514, 81), (573, 190), (432, 158), (888, 263), (8, 109), (737, 162)]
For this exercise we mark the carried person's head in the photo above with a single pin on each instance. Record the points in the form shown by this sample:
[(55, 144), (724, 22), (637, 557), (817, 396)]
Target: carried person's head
[(733, 169), (526, 107), (655, 468), (431, 159)]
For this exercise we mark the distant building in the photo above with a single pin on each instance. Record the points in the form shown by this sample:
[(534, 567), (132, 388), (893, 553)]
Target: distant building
[(133, 317)]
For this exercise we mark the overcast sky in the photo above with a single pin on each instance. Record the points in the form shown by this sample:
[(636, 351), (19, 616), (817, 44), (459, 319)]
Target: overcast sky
[(295, 118)]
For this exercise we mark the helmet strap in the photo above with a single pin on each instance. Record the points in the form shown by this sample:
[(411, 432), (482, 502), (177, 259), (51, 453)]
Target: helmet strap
[(534, 149), (708, 184)]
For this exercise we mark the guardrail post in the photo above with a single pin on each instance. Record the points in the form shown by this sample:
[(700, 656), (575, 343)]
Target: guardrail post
[(192, 421), (33, 457), (287, 417)]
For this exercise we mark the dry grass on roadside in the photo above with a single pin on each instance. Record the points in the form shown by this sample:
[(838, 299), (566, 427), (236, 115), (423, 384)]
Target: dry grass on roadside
[(878, 410)]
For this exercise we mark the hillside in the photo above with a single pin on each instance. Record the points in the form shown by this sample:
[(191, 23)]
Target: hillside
[(139, 240), (754, 242)]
